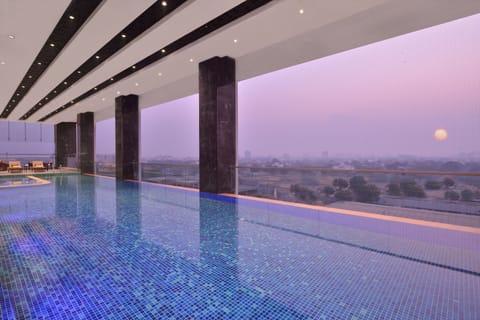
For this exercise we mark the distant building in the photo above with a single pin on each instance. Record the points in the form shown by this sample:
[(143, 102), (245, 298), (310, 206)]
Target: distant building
[(343, 166), (277, 163)]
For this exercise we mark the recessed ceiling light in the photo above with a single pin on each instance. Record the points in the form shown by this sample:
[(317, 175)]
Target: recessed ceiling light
[(191, 60), (163, 50), (164, 3), (133, 67), (2, 62), (11, 36), (159, 74), (65, 82), (136, 84), (39, 63), (71, 17), (235, 40), (95, 88), (79, 71), (103, 99), (124, 36), (301, 11), (52, 44), (97, 57), (111, 79), (118, 92), (23, 87)]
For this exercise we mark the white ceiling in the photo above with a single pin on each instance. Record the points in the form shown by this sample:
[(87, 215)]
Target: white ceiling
[(273, 37)]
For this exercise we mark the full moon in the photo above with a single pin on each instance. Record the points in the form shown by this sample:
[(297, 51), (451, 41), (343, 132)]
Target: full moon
[(441, 134)]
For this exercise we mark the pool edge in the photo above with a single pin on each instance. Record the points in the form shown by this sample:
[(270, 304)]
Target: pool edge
[(438, 225)]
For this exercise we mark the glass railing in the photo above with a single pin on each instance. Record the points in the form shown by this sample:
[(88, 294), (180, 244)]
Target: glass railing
[(176, 174), (413, 194), (427, 195), (105, 168)]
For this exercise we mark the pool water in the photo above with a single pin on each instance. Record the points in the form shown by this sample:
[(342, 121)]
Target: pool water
[(96, 248), (16, 181)]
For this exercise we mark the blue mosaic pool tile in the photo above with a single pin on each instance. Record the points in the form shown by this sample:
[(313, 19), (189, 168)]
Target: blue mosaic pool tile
[(89, 248)]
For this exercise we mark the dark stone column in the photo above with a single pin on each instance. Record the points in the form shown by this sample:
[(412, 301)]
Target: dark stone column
[(86, 142), (65, 142), (127, 137), (218, 125)]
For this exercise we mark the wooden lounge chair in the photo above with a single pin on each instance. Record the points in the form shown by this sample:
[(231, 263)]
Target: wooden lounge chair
[(38, 166), (14, 166)]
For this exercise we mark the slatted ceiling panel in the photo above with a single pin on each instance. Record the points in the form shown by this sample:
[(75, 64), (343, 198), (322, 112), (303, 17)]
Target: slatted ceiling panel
[(111, 17), (141, 24), (60, 36), (179, 23), (19, 53), (203, 30)]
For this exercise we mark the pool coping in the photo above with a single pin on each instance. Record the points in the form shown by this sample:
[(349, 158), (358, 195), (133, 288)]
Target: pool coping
[(39, 182)]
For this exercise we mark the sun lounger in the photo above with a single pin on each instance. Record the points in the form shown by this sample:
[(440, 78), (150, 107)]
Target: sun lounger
[(14, 166), (38, 166)]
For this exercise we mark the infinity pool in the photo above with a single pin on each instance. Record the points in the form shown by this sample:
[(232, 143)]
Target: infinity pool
[(20, 181), (94, 248)]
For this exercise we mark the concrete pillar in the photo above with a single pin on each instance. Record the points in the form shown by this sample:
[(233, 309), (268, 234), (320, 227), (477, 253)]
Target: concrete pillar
[(65, 142), (218, 125), (86, 142), (127, 137)]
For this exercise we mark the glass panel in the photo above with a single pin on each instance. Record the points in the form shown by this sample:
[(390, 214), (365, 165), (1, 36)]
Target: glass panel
[(429, 196), (48, 132), (33, 132), (105, 147), (17, 131), (3, 130), (25, 151), (170, 131), (169, 142)]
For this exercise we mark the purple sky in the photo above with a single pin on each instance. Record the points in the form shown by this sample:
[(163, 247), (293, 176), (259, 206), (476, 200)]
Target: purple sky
[(383, 99)]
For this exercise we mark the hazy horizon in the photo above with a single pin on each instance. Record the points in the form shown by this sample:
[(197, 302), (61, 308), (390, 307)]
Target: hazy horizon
[(384, 99)]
